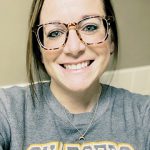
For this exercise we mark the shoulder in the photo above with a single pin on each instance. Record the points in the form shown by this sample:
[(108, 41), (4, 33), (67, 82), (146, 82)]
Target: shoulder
[(11, 101), (131, 105), (17, 98), (12, 98), (124, 100), (12, 93), (126, 95)]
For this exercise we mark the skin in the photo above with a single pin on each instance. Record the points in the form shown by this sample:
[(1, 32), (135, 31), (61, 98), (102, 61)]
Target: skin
[(76, 90)]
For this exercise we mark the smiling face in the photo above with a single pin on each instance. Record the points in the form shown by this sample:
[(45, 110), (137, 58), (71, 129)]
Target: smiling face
[(77, 66)]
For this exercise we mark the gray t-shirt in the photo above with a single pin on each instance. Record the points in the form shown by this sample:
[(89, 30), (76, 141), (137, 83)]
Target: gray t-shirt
[(122, 121)]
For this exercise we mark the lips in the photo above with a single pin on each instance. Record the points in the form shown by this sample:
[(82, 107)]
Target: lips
[(77, 66)]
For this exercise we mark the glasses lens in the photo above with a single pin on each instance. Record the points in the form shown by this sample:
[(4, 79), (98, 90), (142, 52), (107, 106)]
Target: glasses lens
[(52, 36), (93, 30)]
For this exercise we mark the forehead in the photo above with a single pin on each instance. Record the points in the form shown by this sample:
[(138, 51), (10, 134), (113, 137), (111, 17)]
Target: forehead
[(70, 10)]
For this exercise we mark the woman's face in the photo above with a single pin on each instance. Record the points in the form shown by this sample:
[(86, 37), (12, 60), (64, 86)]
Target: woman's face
[(71, 68)]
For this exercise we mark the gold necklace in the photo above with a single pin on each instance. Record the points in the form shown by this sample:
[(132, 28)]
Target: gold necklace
[(82, 135)]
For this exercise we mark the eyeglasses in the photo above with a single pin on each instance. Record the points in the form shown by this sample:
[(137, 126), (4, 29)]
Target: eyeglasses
[(90, 30)]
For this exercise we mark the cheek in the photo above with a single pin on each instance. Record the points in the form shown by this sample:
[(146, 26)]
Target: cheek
[(49, 56), (102, 49)]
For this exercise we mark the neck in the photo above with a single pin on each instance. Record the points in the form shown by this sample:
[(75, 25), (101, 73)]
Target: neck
[(78, 102)]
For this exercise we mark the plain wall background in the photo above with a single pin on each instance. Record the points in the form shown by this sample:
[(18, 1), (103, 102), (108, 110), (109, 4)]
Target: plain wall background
[(134, 32)]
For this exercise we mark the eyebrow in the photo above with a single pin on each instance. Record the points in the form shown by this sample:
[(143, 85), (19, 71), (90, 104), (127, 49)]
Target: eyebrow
[(85, 16), (82, 17)]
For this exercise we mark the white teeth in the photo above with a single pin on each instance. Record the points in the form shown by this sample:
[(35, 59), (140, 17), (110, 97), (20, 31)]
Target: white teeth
[(77, 66)]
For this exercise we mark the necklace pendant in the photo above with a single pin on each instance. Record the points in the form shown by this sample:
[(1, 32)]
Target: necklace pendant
[(81, 138)]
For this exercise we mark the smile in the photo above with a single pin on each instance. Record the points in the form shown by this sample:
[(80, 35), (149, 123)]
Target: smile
[(77, 66)]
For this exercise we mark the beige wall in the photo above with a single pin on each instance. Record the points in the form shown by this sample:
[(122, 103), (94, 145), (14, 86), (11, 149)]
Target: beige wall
[(133, 22), (13, 33), (134, 27)]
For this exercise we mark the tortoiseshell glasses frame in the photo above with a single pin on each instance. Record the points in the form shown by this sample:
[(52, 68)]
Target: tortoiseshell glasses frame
[(105, 19)]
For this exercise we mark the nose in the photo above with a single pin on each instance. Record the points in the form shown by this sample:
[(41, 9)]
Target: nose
[(74, 46)]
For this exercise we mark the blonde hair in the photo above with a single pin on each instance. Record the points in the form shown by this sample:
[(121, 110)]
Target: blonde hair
[(34, 66)]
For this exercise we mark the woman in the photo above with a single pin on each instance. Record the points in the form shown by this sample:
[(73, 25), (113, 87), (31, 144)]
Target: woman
[(72, 42)]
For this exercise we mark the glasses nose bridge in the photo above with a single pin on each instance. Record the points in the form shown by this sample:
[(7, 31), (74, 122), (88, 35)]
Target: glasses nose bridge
[(72, 26)]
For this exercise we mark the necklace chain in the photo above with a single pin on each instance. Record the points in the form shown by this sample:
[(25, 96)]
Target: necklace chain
[(82, 135)]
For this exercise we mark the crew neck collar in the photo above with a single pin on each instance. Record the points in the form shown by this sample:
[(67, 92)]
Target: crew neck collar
[(82, 118)]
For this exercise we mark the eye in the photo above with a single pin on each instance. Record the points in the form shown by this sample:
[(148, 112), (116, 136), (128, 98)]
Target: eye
[(90, 28), (55, 34)]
